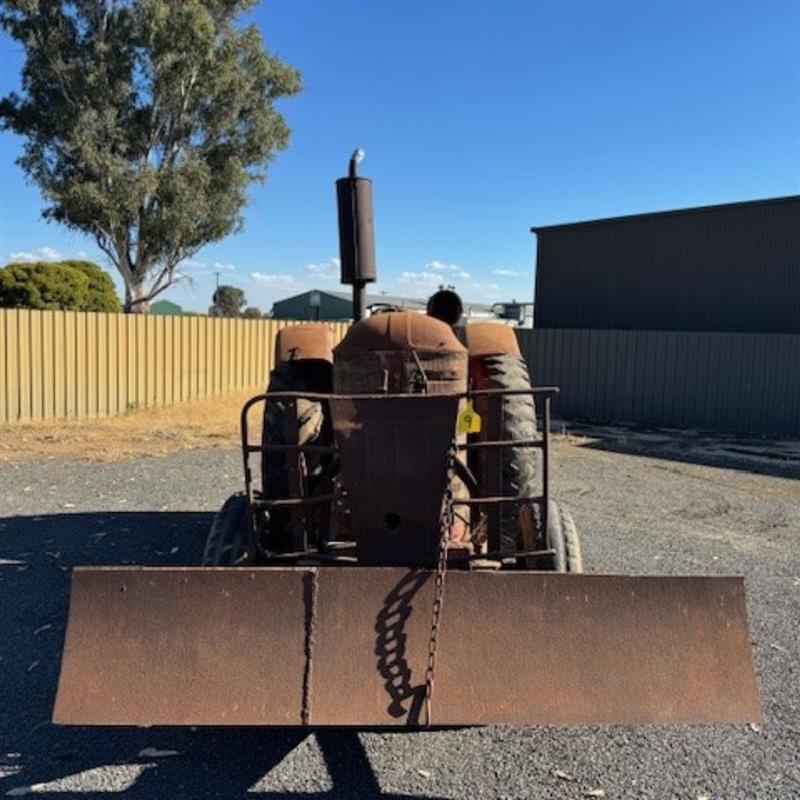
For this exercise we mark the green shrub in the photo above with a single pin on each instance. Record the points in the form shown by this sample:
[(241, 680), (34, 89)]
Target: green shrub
[(102, 292), (57, 285)]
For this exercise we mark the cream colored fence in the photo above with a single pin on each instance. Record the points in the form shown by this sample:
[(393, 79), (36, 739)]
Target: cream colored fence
[(68, 364)]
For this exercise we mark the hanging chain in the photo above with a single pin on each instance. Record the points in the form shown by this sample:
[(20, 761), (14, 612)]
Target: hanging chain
[(438, 591)]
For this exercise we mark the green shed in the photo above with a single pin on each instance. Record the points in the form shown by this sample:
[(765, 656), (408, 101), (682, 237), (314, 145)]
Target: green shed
[(166, 308), (313, 305)]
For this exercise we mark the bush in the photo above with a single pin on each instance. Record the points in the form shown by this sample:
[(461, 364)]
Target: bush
[(102, 292), (228, 302), (57, 285)]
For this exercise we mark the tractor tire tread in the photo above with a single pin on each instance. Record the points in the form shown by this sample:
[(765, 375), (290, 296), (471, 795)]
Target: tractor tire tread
[(563, 537), (228, 543), (312, 429), (520, 464), (310, 418)]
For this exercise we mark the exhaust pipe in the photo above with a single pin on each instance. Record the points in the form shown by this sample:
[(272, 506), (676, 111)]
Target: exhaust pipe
[(356, 234)]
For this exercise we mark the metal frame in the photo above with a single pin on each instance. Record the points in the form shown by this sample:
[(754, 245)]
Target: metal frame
[(494, 499)]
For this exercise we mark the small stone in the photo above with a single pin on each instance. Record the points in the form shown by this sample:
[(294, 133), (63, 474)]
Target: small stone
[(21, 790), (154, 752)]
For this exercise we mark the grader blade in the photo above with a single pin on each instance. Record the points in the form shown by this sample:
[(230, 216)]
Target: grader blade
[(348, 646)]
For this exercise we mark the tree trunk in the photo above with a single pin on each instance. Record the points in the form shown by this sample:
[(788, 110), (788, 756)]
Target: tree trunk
[(135, 292)]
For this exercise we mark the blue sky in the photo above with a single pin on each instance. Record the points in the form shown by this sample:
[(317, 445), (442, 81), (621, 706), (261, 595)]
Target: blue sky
[(480, 120)]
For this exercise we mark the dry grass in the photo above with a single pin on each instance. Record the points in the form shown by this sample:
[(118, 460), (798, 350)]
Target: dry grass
[(210, 422)]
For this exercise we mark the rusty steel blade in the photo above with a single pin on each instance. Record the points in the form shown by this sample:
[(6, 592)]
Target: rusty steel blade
[(231, 646), (150, 646)]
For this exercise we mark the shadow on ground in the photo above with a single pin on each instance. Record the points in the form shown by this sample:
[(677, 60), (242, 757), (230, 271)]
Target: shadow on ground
[(36, 557), (762, 456)]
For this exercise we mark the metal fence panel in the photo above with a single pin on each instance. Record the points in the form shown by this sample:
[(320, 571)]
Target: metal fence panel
[(748, 382), (67, 364)]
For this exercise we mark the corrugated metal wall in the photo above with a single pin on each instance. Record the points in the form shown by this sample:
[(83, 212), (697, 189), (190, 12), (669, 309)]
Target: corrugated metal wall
[(299, 308), (729, 268), (69, 364), (721, 381), (57, 364)]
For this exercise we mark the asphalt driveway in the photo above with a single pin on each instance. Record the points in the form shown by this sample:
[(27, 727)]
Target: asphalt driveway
[(639, 513)]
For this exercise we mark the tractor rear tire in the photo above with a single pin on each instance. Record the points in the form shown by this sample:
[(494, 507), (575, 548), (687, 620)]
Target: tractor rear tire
[(229, 543), (520, 464), (562, 536), (313, 428)]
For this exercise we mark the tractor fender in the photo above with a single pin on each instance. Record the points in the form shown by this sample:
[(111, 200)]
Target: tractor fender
[(313, 341), (488, 339)]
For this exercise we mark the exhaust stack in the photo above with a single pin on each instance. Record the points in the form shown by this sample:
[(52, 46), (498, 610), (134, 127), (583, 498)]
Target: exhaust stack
[(356, 233)]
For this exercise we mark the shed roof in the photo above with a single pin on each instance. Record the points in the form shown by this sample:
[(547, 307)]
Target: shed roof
[(669, 212)]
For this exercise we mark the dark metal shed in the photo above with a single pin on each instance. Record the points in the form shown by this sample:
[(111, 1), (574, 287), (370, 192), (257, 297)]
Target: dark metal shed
[(733, 267)]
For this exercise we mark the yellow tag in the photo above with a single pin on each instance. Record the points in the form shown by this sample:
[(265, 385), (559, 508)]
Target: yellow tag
[(469, 421)]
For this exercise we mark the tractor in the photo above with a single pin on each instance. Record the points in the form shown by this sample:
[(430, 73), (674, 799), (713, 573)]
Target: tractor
[(395, 559)]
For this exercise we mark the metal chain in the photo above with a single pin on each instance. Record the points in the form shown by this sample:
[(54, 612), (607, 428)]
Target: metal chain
[(438, 592)]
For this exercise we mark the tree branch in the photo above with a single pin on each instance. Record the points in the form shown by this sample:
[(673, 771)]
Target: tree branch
[(56, 71)]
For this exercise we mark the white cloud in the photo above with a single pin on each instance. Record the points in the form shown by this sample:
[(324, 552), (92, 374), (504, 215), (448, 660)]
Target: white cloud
[(204, 268), (490, 286), (440, 266), (272, 280), (507, 273), (42, 254), (473, 288), (434, 273), (324, 270), (426, 279), (294, 279)]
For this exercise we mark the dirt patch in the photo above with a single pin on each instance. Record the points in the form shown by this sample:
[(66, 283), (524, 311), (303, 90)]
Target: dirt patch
[(209, 422)]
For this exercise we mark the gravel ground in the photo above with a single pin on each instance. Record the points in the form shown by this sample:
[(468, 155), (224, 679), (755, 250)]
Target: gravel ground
[(638, 514)]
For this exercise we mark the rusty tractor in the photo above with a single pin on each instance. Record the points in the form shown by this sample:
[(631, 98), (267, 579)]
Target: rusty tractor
[(395, 559)]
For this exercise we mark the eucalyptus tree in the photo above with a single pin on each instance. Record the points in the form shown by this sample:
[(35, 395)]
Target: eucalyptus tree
[(144, 122)]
